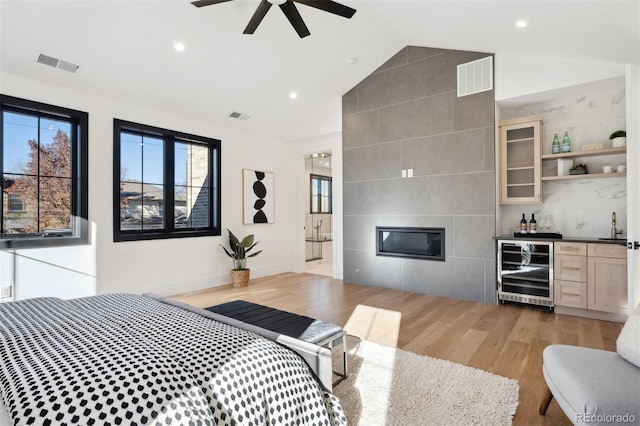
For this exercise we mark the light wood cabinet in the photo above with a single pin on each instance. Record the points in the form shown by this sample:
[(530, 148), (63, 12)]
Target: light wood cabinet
[(570, 273), (520, 163), (607, 278), (590, 276)]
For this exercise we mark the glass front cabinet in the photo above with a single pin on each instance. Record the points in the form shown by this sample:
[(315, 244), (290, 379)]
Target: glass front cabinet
[(520, 163)]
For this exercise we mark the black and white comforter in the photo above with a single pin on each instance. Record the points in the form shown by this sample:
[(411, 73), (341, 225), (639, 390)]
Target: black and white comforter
[(132, 360)]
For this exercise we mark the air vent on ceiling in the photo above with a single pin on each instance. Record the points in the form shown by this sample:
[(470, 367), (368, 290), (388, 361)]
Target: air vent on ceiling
[(57, 63), (475, 76), (239, 115)]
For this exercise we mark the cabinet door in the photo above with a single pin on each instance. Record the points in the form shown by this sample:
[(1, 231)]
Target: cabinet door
[(520, 163), (607, 284), (570, 268)]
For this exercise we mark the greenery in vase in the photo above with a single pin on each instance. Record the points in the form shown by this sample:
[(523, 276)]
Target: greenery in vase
[(618, 134), (239, 250)]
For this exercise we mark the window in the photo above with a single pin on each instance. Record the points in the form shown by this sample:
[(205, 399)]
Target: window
[(166, 183), (15, 203), (321, 194), (44, 165)]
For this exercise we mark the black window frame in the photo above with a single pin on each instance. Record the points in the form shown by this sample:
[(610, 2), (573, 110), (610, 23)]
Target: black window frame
[(169, 137), (79, 175), (316, 202)]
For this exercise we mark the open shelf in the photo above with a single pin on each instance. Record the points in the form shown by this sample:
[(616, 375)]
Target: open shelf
[(586, 176), (593, 153)]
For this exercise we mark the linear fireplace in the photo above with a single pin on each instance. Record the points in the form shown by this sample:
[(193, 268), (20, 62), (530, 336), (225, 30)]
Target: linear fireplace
[(410, 242)]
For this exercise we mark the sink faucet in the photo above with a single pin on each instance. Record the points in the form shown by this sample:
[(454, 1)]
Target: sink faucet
[(614, 231)]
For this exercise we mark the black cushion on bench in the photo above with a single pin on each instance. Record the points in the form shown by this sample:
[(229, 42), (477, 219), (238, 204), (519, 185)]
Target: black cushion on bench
[(293, 325)]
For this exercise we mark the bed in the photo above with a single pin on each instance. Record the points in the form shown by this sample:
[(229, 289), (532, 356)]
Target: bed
[(141, 359)]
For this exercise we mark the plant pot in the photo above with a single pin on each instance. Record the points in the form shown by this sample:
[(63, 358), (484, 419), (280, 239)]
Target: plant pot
[(240, 277), (619, 142)]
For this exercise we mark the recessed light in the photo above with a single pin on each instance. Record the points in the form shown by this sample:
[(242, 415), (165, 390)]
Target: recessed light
[(293, 95), (351, 61), (179, 47), (521, 24)]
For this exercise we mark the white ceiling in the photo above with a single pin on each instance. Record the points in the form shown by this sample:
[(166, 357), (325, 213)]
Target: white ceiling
[(126, 52)]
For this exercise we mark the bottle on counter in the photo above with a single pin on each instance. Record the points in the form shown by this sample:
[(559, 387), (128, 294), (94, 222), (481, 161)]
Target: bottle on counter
[(533, 225), (555, 145), (566, 143), (523, 225)]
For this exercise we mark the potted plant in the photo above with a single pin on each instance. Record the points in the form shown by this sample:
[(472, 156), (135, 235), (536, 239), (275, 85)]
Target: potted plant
[(618, 138), (239, 254)]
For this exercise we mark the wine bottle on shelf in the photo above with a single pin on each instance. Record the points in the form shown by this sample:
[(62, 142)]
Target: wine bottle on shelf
[(555, 146), (523, 225), (533, 225), (566, 143)]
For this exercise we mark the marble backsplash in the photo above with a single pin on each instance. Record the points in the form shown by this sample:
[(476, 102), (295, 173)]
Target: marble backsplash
[(580, 208)]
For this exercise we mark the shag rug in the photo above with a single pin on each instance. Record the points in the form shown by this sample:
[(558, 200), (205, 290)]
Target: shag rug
[(388, 386)]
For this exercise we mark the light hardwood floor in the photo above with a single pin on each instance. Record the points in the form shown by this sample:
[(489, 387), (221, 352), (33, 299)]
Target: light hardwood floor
[(504, 339)]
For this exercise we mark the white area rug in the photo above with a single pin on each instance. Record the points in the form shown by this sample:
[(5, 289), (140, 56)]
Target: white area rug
[(388, 386)]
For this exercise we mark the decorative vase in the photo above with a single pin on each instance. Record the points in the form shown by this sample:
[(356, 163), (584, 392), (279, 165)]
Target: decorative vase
[(240, 277), (619, 142)]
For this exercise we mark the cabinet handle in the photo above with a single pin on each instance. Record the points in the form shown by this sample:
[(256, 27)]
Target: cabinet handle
[(569, 248), (571, 268), (570, 294)]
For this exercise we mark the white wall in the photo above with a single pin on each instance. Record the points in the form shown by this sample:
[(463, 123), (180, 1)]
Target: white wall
[(162, 266), (518, 74)]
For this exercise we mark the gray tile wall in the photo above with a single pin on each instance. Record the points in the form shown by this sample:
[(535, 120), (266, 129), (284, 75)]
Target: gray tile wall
[(406, 115)]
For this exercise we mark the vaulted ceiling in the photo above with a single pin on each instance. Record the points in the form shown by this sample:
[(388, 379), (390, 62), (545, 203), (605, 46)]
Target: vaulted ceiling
[(126, 50)]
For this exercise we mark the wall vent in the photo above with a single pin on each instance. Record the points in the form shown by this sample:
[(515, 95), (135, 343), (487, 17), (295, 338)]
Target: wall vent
[(57, 63), (239, 115), (475, 76)]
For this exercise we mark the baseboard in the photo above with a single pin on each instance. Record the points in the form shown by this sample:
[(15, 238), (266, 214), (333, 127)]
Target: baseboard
[(586, 313)]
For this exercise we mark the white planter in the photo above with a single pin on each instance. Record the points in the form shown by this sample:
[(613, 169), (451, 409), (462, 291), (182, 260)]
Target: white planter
[(618, 142)]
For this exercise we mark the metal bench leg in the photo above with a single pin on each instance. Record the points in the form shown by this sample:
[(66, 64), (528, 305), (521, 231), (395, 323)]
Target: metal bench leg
[(344, 356)]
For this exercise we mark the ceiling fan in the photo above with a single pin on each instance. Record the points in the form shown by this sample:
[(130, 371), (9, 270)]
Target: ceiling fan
[(290, 10)]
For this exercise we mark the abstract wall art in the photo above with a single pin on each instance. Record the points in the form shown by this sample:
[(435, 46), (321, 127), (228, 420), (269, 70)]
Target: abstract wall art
[(257, 197)]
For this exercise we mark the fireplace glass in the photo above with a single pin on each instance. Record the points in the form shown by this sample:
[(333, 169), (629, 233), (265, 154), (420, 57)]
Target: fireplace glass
[(410, 242)]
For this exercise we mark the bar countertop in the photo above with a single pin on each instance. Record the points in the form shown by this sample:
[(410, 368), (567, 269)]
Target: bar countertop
[(530, 237)]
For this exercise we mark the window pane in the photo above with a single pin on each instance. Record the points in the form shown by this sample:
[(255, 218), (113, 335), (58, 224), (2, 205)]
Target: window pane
[(55, 153), (130, 206), (20, 133), (180, 162), (180, 218), (152, 207), (198, 206), (55, 203), (152, 160), (25, 221), (199, 165), (130, 157)]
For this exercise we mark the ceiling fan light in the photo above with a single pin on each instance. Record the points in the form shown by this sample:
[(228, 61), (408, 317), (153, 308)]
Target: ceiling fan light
[(277, 2)]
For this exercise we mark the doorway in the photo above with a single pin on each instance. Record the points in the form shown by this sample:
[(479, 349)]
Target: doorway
[(318, 223)]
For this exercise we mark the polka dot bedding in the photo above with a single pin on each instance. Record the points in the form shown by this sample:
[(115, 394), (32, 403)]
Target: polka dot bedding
[(122, 359)]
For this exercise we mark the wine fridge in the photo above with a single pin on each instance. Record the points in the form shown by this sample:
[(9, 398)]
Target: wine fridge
[(525, 272)]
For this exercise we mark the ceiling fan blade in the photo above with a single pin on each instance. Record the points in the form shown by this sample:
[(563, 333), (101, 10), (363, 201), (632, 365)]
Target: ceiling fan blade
[(202, 3), (291, 12), (329, 6), (257, 17)]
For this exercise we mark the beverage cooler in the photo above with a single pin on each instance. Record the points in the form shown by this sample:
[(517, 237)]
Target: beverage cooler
[(525, 272)]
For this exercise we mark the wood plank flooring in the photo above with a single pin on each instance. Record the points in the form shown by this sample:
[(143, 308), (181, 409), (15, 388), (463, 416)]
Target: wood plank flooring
[(505, 339)]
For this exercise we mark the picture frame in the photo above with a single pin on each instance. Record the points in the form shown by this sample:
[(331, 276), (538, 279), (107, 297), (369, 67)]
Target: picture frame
[(258, 197)]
